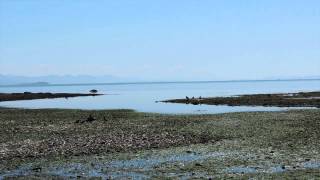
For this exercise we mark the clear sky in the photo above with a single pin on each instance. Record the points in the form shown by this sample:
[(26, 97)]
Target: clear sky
[(161, 39)]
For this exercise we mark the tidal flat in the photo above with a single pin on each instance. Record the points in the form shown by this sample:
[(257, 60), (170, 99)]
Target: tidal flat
[(300, 99), (122, 144)]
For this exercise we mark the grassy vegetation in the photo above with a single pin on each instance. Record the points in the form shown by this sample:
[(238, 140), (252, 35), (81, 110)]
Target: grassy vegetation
[(260, 140)]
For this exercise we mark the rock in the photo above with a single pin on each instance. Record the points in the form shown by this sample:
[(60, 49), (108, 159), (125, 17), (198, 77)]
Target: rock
[(195, 103), (181, 164), (268, 157), (93, 91), (90, 118), (37, 169)]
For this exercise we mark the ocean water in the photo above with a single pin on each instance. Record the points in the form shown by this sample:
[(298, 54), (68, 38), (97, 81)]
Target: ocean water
[(142, 97)]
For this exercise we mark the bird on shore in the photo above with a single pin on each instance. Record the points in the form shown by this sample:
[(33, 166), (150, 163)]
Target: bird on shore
[(187, 98)]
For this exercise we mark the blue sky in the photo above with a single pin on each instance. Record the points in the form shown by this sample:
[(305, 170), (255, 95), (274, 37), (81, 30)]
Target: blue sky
[(161, 40)]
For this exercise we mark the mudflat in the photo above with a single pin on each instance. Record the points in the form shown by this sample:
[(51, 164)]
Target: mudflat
[(30, 96), (301, 99), (57, 143)]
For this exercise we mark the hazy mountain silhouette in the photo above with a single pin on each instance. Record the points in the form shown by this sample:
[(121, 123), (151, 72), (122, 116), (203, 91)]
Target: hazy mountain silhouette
[(55, 79), (87, 79)]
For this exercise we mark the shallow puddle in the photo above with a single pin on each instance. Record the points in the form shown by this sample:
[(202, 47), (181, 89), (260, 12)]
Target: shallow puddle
[(137, 168), (144, 168), (151, 162), (241, 170), (273, 169), (312, 165)]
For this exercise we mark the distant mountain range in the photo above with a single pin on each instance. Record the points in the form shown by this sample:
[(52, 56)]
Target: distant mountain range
[(53, 79), (87, 79)]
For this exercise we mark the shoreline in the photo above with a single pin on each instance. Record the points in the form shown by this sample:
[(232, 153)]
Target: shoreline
[(300, 99), (41, 142), (48, 95)]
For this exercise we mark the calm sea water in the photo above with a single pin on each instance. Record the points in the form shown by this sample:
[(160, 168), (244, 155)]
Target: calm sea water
[(143, 97)]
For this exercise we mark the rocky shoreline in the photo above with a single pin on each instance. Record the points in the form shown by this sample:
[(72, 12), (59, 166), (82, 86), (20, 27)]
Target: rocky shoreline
[(58, 143), (30, 96), (301, 99)]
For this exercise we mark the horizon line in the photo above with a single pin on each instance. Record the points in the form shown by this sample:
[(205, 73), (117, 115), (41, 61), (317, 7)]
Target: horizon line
[(152, 82)]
